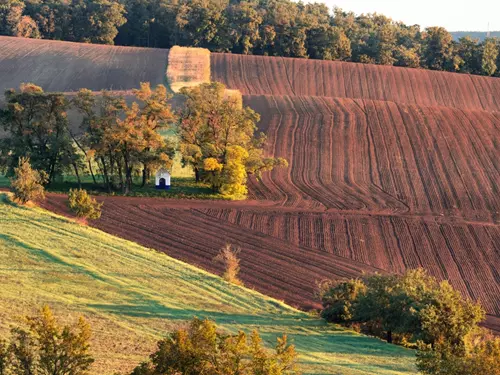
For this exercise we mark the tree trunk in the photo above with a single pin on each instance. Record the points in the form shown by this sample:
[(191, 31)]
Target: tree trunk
[(144, 176), (197, 175), (92, 172), (106, 176), (389, 337), (75, 167)]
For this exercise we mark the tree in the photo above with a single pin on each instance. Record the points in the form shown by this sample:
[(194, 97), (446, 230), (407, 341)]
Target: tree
[(44, 347), (476, 358), (202, 349), (96, 21), (4, 357), (448, 317), (23, 353), (27, 183), (217, 139), (413, 306), (122, 138), (437, 48), (490, 52), (245, 19), (27, 28), (11, 12), (53, 18), (327, 42), (339, 299), (469, 52), (229, 257), (37, 127), (83, 205)]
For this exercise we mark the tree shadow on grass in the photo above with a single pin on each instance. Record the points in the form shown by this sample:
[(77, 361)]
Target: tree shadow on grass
[(155, 310)]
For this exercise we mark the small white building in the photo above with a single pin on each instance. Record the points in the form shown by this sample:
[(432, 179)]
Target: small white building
[(163, 179)]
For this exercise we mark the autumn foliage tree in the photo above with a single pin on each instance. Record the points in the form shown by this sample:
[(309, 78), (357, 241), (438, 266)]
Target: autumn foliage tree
[(218, 139), (228, 256), (202, 349), (83, 205), (27, 183), (122, 138), (43, 346)]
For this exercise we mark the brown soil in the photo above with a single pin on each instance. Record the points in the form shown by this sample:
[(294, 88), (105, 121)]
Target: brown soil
[(390, 169), (262, 75)]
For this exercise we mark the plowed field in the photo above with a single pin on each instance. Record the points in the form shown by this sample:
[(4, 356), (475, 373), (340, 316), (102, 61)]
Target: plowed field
[(286, 251), (379, 156), (257, 75), (390, 169), (66, 67), (280, 269)]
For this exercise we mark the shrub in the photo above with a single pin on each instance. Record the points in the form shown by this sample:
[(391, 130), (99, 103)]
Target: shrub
[(45, 347), (83, 205), (475, 358), (229, 257), (202, 349), (27, 183), (339, 299), (414, 306)]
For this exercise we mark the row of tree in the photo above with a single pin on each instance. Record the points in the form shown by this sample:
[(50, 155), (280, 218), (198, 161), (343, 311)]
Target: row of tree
[(415, 309), (41, 345), (261, 27), (117, 140)]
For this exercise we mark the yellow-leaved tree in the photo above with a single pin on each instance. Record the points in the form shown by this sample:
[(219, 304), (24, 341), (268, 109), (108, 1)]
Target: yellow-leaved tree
[(219, 140)]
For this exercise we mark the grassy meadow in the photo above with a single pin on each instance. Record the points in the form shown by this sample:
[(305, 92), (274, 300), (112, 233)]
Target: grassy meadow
[(132, 296)]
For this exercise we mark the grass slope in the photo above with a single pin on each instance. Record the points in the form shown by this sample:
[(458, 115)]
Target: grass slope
[(133, 295)]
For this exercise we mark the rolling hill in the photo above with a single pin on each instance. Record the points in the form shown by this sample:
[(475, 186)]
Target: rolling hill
[(262, 75), (133, 296), (390, 168), (67, 67)]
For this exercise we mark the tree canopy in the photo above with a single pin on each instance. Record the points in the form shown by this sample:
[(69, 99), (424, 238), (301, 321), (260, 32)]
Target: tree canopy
[(218, 140), (260, 27), (201, 348)]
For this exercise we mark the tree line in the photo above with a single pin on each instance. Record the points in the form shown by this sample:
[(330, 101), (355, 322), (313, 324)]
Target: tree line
[(117, 140), (416, 310), (41, 345), (259, 27)]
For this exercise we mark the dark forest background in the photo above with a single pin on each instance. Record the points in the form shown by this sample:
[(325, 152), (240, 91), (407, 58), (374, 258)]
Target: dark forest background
[(259, 27)]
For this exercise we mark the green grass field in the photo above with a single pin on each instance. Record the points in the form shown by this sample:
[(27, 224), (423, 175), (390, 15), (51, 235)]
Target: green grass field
[(132, 296)]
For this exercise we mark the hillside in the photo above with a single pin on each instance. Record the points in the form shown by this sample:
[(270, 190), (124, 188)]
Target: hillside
[(66, 67), (261, 75), (133, 296), (377, 156), (390, 169), (286, 251)]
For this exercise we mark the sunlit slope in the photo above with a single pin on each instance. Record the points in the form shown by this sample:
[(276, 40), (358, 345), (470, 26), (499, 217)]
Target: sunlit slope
[(132, 295), (381, 156), (255, 75)]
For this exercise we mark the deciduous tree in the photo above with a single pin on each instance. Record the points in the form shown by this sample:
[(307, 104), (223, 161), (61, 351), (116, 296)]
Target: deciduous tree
[(202, 349), (27, 183), (217, 138)]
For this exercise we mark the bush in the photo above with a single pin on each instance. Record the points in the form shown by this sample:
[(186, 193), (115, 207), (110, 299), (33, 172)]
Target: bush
[(45, 347), (27, 183), (413, 306), (475, 358), (202, 349), (83, 205), (229, 257), (339, 299)]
